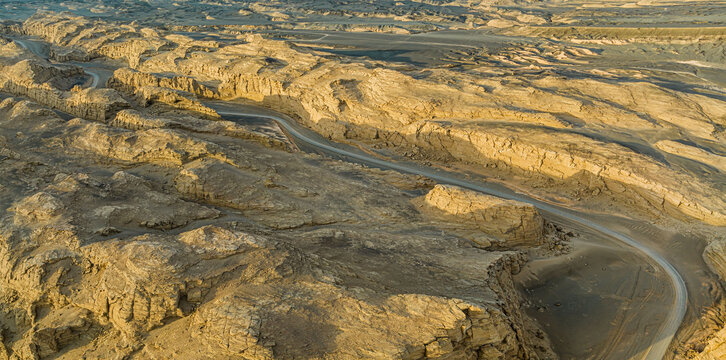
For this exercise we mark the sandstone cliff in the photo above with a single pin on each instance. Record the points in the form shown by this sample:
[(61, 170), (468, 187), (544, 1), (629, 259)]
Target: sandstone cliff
[(716, 348), (715, 257)]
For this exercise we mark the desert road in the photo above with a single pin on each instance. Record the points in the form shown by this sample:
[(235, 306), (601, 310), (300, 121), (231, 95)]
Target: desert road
[(37, 49), (655, 351)]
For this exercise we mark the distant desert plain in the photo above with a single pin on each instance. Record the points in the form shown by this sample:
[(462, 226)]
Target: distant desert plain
[(329, 179)]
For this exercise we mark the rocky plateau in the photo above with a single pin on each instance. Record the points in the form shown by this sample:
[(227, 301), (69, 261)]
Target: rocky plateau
[(140, 222)]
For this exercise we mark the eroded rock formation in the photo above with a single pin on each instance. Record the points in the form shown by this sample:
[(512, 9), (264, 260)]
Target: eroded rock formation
[(150, 241), (53, 85), (511, 222), (161, 224), (469, 119)]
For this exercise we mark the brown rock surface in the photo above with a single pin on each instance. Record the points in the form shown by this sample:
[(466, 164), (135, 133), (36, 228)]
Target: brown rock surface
[(513, 222), (50, 85), (715, 257)]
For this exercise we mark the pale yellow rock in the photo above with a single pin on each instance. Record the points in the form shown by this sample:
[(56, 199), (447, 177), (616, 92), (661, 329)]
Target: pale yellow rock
[(134, 120), (715, 256), (211, 179), (447, 115), (161, 146), (230, 326), (46, 84), (693, 153), (715, 348), (130, 80), (172, 97), (217, 241), (38, 208), (517, 223), (501, 23), (54, 332)]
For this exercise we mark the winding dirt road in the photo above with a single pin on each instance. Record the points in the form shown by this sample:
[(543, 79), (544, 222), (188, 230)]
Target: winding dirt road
[(655, 351)]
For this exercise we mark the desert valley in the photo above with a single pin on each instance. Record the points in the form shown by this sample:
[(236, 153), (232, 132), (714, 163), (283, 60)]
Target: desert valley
[(494, 179)]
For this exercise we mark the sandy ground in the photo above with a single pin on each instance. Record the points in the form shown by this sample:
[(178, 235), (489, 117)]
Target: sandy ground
[(600, 288)]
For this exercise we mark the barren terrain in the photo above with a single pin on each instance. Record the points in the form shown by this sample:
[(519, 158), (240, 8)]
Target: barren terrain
[(329, 179)]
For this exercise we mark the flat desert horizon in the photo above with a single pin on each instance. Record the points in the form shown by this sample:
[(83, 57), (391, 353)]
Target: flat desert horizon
[(485, 179)]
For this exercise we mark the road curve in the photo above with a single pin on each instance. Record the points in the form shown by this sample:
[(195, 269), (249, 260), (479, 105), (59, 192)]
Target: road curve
[(656, 350), (95, 77), (35, 49), (32, 47)]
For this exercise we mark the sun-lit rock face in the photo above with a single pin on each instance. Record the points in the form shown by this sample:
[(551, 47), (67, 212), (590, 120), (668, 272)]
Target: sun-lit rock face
[(153, 145), (693, 152), (52, 86), (514, 222), (716, 348)]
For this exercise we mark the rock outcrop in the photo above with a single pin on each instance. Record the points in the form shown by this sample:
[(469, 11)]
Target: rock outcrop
[(714, 345), (129, 80), (715, 349), (137, 120), (153, 145), (47, 84), (511, 222), (148, 95), (694, 153), (715, 257), (163, 229)]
